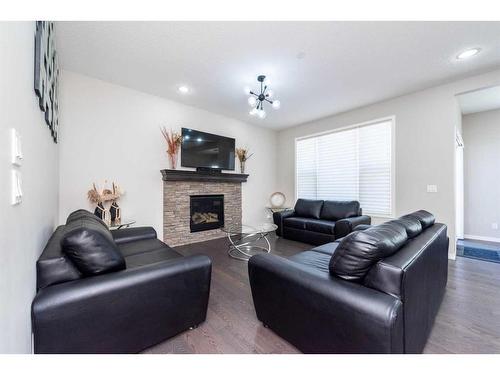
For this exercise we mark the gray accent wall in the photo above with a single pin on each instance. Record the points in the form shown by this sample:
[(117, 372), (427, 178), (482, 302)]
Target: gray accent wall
[(481, 133)]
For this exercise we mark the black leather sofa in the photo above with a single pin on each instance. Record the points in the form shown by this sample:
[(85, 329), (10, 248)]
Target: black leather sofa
[(318, 222), (376, 291), (102, 291)]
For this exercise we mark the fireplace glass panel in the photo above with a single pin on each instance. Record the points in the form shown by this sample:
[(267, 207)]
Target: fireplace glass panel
[(206, 212)]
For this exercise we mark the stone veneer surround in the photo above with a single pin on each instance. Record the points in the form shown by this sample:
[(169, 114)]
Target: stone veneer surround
[(176, 209)]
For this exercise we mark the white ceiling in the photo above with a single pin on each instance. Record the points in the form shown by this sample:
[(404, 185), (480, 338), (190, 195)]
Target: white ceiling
[(482, 100), (346, 64)]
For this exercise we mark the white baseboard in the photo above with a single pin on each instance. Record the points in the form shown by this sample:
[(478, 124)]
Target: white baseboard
[(481, 238)]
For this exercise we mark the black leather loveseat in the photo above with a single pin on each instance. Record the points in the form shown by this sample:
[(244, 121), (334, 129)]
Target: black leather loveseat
[(102, 291), (376, 291), (318, 222)]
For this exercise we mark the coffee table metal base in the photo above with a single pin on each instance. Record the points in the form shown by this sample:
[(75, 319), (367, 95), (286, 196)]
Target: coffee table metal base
[(244, 246)]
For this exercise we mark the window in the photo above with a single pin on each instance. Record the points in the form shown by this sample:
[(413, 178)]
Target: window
[(349, 164)]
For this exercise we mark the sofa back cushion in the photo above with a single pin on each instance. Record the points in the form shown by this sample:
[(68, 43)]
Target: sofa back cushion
[(426, 218), (90, 247), (411, 224), (336, 210), (308, 208), (81, 213), (360, 250)]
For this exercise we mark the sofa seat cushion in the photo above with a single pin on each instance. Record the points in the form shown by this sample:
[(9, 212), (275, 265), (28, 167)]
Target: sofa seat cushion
[(328, 248), (295, 222), (90, 247), (141, 246), (308, 208), (321, 226), (150, 257), (317, 260), (336, 210), (143, 252), (360, 250)]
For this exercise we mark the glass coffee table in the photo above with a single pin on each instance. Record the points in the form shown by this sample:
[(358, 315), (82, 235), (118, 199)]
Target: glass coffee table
[(248, 240)]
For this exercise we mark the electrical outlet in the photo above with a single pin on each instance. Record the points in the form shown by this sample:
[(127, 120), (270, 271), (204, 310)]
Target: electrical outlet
[(432, 188), (494, 225)]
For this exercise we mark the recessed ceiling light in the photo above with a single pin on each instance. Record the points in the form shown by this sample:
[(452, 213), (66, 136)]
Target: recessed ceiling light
[(183, 89), (468, 53)]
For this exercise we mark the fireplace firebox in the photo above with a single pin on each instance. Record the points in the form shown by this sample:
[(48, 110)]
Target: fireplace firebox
[(206, 212)]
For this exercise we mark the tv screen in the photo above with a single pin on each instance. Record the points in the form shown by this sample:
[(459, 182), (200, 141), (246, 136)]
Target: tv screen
[(205, 150)]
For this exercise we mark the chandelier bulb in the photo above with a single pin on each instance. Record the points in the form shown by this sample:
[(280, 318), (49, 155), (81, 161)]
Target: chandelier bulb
[(276, 104), (252, 101)]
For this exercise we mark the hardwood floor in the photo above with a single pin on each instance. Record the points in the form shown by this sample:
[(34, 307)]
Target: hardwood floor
[(468, 321)]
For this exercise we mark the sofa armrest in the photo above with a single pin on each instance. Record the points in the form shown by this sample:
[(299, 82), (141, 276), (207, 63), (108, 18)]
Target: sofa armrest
[(278, 218), (122, 312), (133, 234), (345, 226), (319, 313)]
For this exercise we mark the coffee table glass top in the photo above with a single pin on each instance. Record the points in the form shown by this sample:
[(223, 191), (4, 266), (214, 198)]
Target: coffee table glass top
[(244, 229)]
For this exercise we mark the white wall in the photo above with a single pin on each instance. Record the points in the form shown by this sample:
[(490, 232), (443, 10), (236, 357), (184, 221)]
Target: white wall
[(425, 146), (481, 132), (111, 132), (24, 229)]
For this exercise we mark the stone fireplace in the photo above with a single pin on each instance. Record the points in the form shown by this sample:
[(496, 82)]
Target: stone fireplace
[(179, 189), (206, 212)]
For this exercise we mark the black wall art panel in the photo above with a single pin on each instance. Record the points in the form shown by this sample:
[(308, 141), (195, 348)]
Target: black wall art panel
[(47, 74)]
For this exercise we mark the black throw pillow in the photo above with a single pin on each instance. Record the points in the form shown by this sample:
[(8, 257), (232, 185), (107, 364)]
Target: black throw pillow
[(360, 250), (91, 247)]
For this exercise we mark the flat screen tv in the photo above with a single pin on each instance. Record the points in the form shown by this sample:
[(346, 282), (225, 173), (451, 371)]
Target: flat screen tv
[(205, 150)]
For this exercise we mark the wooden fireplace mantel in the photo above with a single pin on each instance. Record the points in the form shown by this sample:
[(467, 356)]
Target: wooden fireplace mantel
[(185, 175)]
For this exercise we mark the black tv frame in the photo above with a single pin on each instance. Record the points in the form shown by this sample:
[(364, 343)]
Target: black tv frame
[(207, 169)]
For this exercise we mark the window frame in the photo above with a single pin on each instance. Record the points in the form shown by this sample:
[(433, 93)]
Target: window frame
[(392, 119)]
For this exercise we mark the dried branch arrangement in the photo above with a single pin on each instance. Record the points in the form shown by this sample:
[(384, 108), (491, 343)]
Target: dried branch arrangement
[(173, 139), (242, 154), (105, 195)]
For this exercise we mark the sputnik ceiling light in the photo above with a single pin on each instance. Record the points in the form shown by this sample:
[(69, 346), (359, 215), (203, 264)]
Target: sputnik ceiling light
[(256, 100)]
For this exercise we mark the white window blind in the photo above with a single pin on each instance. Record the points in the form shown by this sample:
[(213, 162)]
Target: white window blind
[(352, 164)]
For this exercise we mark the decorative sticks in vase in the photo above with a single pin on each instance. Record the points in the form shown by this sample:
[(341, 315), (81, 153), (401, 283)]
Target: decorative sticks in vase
[(174, 141), (243, 156)]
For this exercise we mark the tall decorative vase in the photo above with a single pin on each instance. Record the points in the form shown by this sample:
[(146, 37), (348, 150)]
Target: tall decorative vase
[(173, 160), (100, 211), (242, 166), (115, 212)]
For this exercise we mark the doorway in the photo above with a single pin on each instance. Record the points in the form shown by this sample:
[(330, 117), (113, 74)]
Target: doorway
[(477, 163)]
